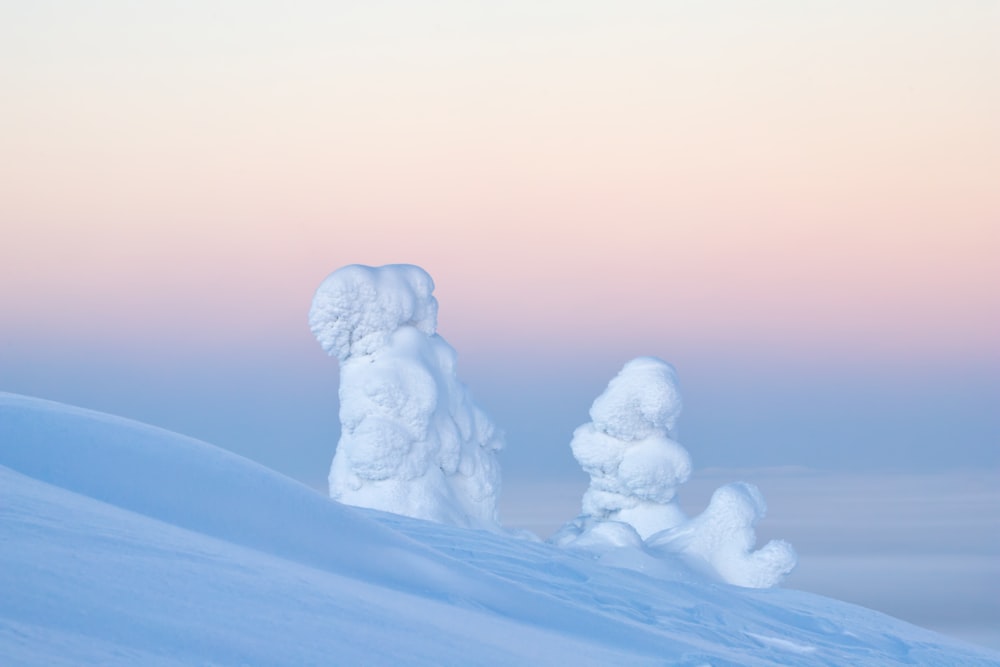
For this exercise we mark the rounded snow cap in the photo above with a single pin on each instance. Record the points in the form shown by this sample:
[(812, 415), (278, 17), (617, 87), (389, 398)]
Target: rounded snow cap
[(644, 398), (357, 308)]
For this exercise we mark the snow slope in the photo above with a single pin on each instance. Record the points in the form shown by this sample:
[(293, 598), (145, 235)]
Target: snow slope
[(121, 543)]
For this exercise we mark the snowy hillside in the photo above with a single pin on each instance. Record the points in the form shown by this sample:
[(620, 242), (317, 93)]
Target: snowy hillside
[(121, 543)]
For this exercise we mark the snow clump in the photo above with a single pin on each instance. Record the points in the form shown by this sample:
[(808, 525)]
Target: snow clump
[(635, 468), (412, 441)]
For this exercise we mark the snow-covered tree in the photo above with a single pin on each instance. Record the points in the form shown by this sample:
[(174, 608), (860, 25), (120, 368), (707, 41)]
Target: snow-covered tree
[(635, 467), (628, 450), (412, 441)]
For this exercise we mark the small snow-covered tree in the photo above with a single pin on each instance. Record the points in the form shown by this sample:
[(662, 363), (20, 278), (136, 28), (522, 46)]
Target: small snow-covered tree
[(413, 441), (628, 450), (635, 468)]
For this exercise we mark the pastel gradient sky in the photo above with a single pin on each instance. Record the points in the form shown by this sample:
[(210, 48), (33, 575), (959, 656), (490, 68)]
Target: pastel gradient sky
[(797, 203)]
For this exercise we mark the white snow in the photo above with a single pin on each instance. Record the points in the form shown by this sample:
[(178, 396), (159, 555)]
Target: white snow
[(123, 544), (627, 449), (641, 400), (721, 540), (635, 467), (413, 441), (357, 308)]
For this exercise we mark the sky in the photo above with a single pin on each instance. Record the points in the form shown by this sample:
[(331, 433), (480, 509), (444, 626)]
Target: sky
[(794, 203)]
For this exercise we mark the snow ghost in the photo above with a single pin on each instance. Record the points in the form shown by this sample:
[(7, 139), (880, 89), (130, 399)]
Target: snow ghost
[(634, 464), (635, 467), (412, 441)]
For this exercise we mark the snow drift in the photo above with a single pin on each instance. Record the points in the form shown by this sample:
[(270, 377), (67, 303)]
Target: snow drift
[(413, 441), (125, 544), (635, 468)]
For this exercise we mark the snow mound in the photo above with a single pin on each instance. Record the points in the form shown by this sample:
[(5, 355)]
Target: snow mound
[(635, 468), (721, 539), (413, 441), (588, 532)]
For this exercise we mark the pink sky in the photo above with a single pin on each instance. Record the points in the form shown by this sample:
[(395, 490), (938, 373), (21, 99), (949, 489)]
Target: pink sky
[(820, 182)]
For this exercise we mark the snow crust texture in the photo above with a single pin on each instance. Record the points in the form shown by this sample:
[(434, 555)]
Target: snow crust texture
[(413, 441), (635, 468)]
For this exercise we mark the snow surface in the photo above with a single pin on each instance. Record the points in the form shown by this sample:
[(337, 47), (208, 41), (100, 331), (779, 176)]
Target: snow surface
[(635, 467), (413, 441), (124, 544)]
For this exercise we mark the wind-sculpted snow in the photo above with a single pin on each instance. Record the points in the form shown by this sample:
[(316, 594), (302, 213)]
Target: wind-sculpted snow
[(721, 540), (413, 441), (635, 468), (124, 544)]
